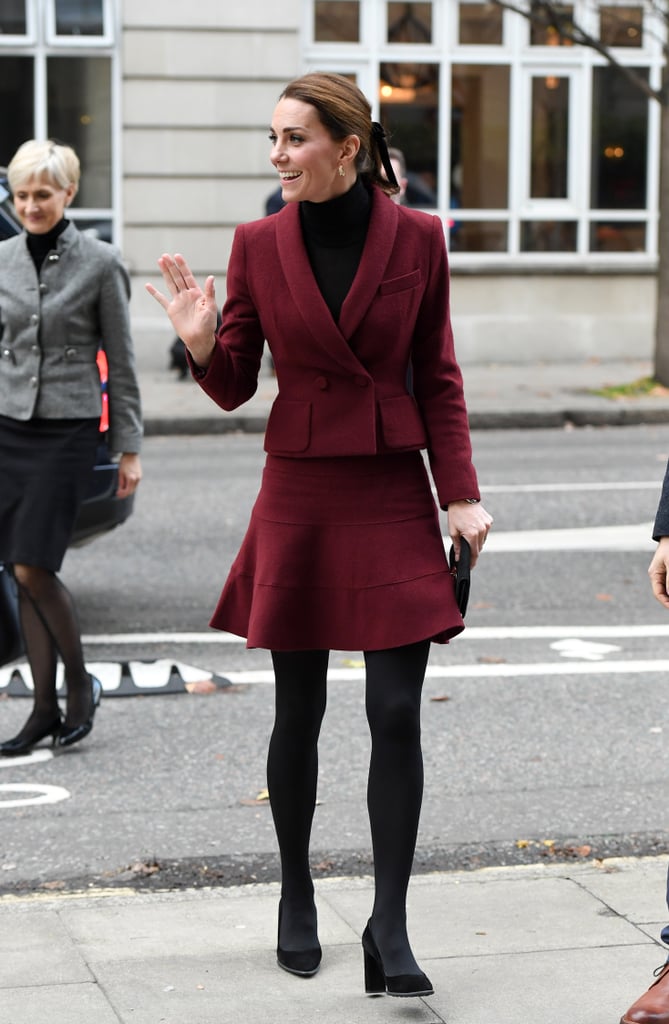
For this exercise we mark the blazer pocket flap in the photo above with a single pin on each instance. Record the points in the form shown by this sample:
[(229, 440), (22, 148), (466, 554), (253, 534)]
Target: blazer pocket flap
[(401, 423), (400, 284), (288, 427)]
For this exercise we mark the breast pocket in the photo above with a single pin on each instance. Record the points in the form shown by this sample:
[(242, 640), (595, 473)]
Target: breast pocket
[(400, 284)]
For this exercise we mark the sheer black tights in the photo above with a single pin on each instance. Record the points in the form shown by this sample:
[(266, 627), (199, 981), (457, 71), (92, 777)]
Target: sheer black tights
[(50, 628), (394, 794)]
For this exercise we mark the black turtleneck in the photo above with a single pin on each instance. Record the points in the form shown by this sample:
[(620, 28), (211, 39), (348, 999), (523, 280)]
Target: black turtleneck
[(40, 245), (334, 233)]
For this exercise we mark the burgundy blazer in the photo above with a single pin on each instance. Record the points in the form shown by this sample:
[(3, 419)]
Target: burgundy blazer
[(342, 387)]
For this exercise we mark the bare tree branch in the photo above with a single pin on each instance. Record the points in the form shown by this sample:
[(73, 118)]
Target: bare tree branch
[(552, 15)]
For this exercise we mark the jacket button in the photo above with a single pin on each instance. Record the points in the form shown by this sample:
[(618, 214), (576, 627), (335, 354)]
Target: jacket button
[(34, 349), (34, 319), (322, 383), (53, 257), (43, 288), (33, 382), (362, 382)]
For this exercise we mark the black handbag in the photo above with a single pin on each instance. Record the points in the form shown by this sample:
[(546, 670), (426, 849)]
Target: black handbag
[(11, 640), (460, 573)]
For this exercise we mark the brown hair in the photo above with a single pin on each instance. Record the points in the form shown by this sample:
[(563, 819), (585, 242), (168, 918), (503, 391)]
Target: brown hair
[(343, 110)]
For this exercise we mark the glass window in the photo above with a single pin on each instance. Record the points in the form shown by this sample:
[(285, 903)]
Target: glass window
[(550, 129), (548, 236), (79, 17), (619, 141), (480, 25), (477, 236), (621, 26), (79, 114), (13, 18), (609, 236), (16, 104), (480, 136), (409, 22), (546, 24), (409, 105), (337, 21)]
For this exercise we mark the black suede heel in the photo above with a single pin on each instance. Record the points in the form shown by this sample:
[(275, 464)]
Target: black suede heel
[(377, 982)]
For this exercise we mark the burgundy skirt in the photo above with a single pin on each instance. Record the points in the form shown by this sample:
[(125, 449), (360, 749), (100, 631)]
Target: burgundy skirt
[(341, 554)]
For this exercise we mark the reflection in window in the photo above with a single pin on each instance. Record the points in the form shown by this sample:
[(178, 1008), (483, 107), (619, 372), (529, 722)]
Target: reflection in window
[(16, 103), (337, 21), (13, 18), (619, 141), (409, 22), (79, 114), (480, 136), (480, 25), (477, 236), (550, 127), (547, 25), (621, 26), (409, 104), (548, 236), (79, 18), (609, 236)]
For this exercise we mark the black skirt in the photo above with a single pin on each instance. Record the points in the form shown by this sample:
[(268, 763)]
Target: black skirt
[(44, 469)]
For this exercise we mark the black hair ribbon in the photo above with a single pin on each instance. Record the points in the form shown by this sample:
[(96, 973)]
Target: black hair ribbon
[(379, 136)]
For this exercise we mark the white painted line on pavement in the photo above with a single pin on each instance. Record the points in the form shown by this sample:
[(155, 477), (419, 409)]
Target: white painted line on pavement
[(32, 795), (471, 633), (551, 668), (611, 485), (34, 757), (592, 538)]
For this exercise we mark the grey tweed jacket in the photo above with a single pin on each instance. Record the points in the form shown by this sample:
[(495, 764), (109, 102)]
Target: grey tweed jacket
[(51, 326)]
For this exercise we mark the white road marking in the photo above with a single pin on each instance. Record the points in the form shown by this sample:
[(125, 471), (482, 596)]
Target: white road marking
[(487, 671), (591, 538), (39, 795), (554, 488), (618, 632), (572, 647), (34, 757)]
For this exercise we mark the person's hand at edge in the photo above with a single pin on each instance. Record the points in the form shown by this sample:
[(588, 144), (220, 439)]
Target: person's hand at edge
[(191, 309), (658, 570), (129, 474)]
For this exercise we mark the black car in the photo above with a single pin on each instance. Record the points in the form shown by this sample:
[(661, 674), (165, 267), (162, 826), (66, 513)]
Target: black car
[(101, 510)]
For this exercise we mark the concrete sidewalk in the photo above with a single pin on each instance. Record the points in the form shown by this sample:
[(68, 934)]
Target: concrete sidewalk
[(552, 943), (500, 395)]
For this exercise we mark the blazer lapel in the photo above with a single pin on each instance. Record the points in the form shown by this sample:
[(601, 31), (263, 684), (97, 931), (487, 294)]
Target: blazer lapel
[(305, 292), (379, 244)]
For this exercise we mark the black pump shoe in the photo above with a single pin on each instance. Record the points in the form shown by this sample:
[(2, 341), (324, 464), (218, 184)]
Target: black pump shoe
[(70, 734), (23, 743), (377, 982), (303, 962)]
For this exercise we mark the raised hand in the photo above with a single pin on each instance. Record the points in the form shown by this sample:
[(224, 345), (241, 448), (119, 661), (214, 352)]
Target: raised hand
[(191, 309)]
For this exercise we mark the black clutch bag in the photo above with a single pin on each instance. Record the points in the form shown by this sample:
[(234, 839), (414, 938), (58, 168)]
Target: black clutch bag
[(460, 572)]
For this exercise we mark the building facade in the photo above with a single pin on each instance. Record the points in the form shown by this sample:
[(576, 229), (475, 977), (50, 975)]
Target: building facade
[(540, 158)]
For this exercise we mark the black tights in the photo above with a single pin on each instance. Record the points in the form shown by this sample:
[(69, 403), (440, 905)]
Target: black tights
[(394, 792), (50, 628)]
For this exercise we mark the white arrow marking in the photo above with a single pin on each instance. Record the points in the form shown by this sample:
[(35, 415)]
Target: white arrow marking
[(572, 647)]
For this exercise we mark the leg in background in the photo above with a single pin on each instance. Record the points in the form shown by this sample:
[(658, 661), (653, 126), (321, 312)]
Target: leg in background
[(49, 621), (395, 790), (292, 776)]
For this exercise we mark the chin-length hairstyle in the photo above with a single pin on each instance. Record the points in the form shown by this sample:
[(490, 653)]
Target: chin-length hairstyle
[(52, 160)]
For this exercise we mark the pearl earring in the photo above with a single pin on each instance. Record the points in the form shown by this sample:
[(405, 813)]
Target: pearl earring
[(341, 170)]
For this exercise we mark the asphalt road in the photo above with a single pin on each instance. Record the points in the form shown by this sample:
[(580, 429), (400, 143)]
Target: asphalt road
[(545, 724)]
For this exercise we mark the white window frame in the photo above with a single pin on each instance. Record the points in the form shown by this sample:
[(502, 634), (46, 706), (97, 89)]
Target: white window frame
[(524, 60), (72, 41)]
